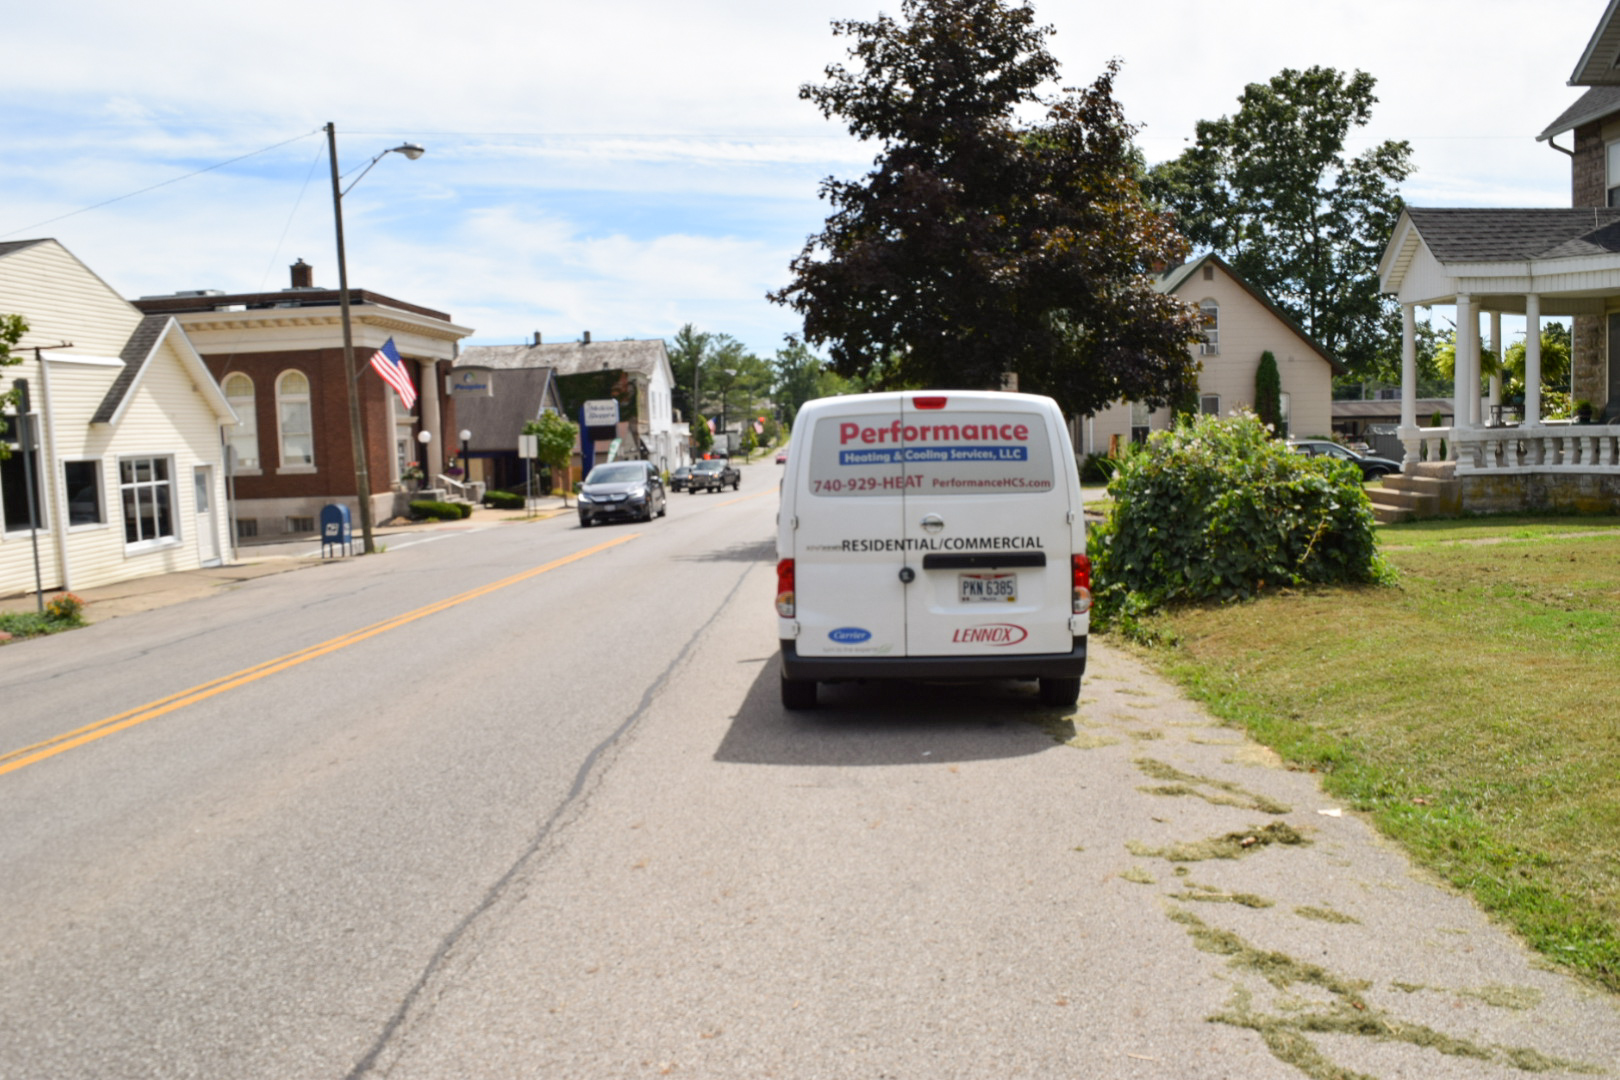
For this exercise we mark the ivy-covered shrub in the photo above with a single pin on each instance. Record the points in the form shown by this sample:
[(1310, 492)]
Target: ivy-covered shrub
[(1218, 509), (439, 511)]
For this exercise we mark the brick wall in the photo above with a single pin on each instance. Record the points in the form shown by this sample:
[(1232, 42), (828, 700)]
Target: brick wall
[(1588, 184)]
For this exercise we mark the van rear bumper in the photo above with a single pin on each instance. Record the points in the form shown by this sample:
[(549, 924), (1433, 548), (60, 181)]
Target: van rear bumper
[(1037, 666)]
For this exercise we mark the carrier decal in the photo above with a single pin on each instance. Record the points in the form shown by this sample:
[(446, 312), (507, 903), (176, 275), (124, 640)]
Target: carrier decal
[(999, 634), (849, 635)]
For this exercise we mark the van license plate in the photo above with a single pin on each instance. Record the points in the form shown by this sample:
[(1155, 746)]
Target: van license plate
[(989, 588)]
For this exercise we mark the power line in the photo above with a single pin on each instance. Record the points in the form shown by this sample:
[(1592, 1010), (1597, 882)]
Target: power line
[(154, 187)]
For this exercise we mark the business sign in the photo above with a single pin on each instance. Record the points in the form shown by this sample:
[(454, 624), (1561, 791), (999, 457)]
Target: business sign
[(604, 413), (472, 381)]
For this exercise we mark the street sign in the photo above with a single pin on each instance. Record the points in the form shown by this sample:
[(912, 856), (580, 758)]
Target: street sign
[(528, 446)]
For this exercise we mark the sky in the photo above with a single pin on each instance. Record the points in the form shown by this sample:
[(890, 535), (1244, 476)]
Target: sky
[(624, 167)]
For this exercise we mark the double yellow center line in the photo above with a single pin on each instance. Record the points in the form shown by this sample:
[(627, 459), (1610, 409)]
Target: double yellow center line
[(28, 755)]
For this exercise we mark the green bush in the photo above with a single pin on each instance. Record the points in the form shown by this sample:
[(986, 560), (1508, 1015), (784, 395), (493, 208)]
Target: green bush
[(503, 500), (1098, 469), (465, 508), (1218, 509), (431, 508)]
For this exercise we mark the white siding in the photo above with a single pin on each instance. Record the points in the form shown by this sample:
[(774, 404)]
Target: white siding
[(64, 301)]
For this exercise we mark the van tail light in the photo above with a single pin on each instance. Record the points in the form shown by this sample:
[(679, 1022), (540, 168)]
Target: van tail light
[(1082, 584), (784, 588), (927, 403)]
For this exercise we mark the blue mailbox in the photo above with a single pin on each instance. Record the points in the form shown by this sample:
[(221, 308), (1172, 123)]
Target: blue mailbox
[(335, 529)]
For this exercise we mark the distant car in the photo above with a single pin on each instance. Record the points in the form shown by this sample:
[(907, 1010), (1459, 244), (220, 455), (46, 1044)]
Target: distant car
[(713, 475), (1371, 467), (680, 478), (623, 490), (781, 456)]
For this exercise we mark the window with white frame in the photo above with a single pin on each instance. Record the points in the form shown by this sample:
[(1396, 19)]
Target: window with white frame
[(1611, 182), (1211, 317), (294, 419), (146, 489), (1282, 416), (1209, 404), (1139, 422), (243, 439), (82, 482)]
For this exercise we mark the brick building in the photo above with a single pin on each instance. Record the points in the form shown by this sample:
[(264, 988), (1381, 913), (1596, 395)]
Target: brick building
[(279, 358)]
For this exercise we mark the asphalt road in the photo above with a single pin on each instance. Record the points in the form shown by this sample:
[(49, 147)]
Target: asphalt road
[(469, 809)]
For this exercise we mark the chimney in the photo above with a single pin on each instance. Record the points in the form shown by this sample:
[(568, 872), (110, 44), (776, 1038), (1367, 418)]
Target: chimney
[(303, 275), (537, 337), (586, 340)]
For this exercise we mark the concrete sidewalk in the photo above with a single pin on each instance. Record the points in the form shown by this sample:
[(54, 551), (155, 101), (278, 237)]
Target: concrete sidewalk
[(134, 595)]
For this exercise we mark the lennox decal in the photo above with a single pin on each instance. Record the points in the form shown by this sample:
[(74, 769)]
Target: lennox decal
[(999, 634)]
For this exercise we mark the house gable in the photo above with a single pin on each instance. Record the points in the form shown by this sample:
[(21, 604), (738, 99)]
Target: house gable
[(63, 300)]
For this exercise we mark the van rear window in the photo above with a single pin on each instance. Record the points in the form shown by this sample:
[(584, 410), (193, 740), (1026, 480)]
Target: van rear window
[(934, 453)]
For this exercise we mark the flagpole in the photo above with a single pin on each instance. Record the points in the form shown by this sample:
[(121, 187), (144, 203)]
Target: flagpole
[(357, 419)]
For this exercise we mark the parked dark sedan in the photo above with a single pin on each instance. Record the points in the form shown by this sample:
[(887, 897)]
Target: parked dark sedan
[(714, 475), (629, 490), (1371, 467), (681, 478)]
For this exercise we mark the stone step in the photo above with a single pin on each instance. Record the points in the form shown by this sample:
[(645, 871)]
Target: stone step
[(1433, 470), (1391, 515), (1425, 502)]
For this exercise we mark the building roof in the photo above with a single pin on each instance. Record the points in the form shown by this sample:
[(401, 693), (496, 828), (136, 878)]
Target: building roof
[(496, 420), (1382, 408), (1504, 235), (10, 246), (1174, 278), (142, 345), (213, 300), (1599, 64), (1594, 105), (570, 358)]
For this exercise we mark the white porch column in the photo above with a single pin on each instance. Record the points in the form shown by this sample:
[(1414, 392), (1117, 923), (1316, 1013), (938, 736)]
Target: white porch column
[(1466, 393), (1532, 359), (432, 455), (1409, 427), (1496, 347)]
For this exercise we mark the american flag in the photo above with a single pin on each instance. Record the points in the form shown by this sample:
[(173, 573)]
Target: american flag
[(388, 364)]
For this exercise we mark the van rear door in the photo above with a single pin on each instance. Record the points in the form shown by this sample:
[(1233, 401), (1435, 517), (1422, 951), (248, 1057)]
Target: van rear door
[(987, 525), (847, 532)]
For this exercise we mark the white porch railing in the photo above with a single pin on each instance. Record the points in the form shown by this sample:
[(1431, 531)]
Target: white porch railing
[(472, 491), (1529, 448)]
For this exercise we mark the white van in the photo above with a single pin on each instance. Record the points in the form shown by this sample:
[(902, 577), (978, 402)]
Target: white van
[(932, 535)]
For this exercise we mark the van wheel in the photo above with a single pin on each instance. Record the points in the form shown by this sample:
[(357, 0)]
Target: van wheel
[(1061, 692), (798, 693)]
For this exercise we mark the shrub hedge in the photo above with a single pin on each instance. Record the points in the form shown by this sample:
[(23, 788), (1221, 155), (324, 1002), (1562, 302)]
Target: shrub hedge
[(440, 511), (1218, 509), (503, 500)]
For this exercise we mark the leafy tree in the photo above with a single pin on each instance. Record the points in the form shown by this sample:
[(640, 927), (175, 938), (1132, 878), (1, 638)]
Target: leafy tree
[(558, 437), (687, 351), (702, 437), (983, 241), (1271, 190), (1268, 392), (1555, 353), (12, 328), (798, 376), (749, 443)]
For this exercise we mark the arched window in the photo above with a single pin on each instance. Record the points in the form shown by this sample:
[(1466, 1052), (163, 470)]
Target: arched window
[(293, 417), (244, 437), (1211, 312)]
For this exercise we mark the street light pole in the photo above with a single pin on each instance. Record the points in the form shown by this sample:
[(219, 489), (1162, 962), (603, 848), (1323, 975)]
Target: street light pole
[(357, 419)]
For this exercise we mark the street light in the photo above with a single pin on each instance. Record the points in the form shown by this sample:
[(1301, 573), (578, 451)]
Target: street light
[(357, 421), (466, 457), (424, 437)]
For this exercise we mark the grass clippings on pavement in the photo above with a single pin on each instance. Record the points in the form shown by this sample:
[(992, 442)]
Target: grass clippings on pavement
[(1469, 709), (1232, 845), (1217, 792)]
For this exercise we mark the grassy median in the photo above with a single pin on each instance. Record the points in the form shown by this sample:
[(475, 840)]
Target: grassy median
[(1473, 710)]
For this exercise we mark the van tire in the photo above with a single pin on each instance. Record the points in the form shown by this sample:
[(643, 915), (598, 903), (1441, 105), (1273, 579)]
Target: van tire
[(1064, 692), (798, 694)]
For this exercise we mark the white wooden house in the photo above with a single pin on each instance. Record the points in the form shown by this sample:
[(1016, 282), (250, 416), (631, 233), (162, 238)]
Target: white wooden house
[(129, 470), (1240, 323)]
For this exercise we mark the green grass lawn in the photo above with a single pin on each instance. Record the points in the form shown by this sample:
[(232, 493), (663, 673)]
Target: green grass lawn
[(1473, 710)]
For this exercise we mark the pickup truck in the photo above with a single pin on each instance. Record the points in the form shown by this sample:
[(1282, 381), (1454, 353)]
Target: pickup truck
[(713, 475)]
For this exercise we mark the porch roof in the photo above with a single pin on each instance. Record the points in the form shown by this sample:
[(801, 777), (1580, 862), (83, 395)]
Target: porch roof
[(1569, 257)]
